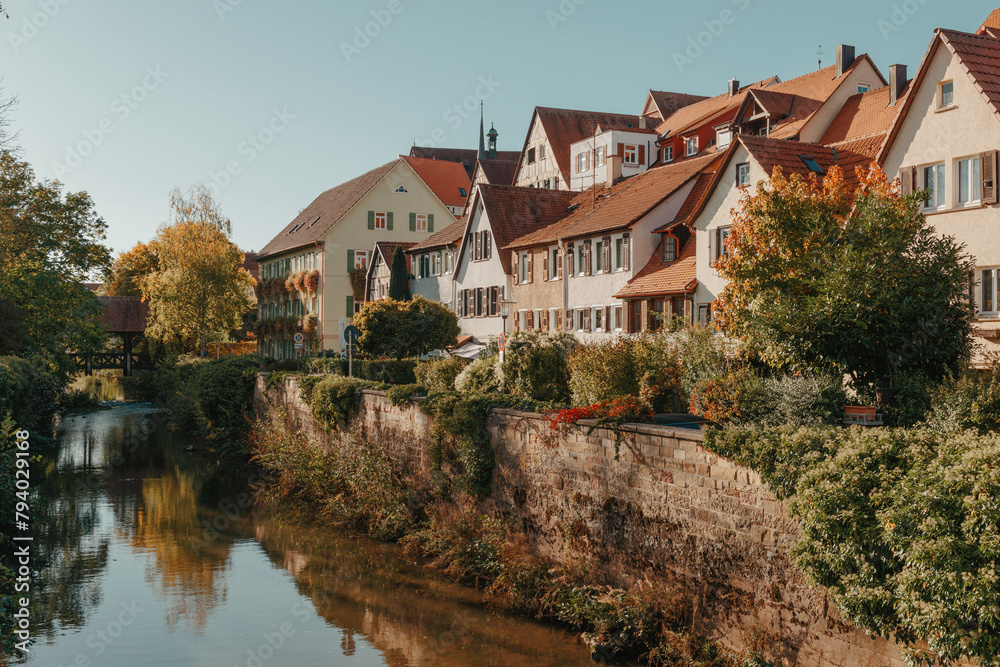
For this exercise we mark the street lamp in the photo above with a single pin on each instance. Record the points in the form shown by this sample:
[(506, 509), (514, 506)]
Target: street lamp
[(505, 307)]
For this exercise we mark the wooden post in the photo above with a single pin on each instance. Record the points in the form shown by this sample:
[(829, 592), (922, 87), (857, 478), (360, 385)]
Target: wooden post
[(128, 354)]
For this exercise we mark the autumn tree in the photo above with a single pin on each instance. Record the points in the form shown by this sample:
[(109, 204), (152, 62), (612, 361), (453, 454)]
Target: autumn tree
[(200, 285), (130, 269), (823, 275), (50, 242)]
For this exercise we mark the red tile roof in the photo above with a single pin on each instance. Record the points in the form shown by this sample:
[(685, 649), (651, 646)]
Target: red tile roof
[(697, 114), (667, 103), (497, 171), (465, 156), (564, 127), (770, 153), (864, 115), (386, 250), (619, 207), (251, 265), (448, 180), (323, 213), (450, 235), (514, 212), (991, 26), (658, 278), (702, 188), (124, 314)]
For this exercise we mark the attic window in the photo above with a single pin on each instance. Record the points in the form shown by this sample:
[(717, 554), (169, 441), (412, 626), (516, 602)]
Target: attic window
[(811, 164), (401, 190), (572, 207), (863, 87), (461, 192), (946, 94), (314, 221)]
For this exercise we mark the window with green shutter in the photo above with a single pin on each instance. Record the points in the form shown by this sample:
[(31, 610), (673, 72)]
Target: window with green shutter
[(388, 221), (371, 219), (350, 260), (350, 307), (413, 222), (430, 223)]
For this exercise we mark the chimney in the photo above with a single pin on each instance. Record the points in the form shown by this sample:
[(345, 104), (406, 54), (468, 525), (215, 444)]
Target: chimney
[(734, 87), (614, 170), (845, 56), (642, 122), (897, 82)]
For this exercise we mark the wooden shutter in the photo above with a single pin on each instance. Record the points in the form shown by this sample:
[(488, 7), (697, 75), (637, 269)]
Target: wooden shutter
[(642, 155), (643, 315), (621, 151), (388, 221), (568, 321), (606, 249), (988, 175), (517, 321), (588, 264), (545, 320), (569, 258), (586, 320), (906, 178), (558, 323), (627, 252), (607, 318), (350, 307), (350, 260), (545, 266), (531, 273), (371, 219), (529, 320), (430, 222), (413, 222)]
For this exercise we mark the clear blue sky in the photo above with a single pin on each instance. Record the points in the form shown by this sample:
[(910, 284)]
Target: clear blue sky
[(163, 94)]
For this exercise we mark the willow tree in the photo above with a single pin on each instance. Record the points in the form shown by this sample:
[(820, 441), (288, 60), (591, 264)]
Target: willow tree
[(826, 276), (199, 285)]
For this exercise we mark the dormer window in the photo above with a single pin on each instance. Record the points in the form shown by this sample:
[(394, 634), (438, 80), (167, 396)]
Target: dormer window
[(723, 137), (669, 249), (668, 153), (946, 94), (691, 146), (863, 88)]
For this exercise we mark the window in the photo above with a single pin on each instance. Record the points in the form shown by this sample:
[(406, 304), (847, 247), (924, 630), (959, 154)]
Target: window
[(934, 184), (360, 259), (811, 164), (522, 268), (380, 220), (401, 190), (669, 248), (598, 318), (599, 257), (743, 174), (969, 181), (581, 268), (723, 137), (581, 162), (863, 87), (704, 314), (555, 182), (541, 152), (619, 253), (721, 234), (668, 153), (619, 319), (531, 156), (421, 222), (462, 193), (631, 154), (554, 264), (599, 156), (988, 286), (691, 146), (946, 95)]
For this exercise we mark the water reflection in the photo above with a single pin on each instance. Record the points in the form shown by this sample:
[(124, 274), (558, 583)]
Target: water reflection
[(99, 387), (173, 535)]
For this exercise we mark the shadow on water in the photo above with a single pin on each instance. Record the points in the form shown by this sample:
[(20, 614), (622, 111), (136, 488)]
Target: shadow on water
[(134, 519)]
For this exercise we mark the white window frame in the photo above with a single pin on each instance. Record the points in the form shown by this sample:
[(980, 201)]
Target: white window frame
[(618, 313), (599, 257), (631, 154), (938, 189), (691, 146), (578, 317), (555, 271), (723, 137), (541, 152), (380, 219), (863, 88), (668, 153), (974, 184), (522, 268), (743, 174), (994, 274), (597, 318), (421, 222), (619, 254), (360, 259), (599, 156), (941, 93)]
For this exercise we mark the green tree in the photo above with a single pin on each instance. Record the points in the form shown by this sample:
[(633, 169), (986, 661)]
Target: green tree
[(824, 277), (130, 269), (398, 329), (399, 277), (200, 285), (50, 242)]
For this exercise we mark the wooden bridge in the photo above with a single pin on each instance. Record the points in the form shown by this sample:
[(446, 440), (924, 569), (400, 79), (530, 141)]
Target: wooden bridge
[(123, 316)]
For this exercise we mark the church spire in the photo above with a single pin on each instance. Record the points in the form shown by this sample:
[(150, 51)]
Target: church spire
[(482, 137)]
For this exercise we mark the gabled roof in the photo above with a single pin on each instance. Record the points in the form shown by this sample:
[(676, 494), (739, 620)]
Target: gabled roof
[(619, 207), (465, 156), (864, 115), (702, 188), (124, 314), (514, 212), (770, 153), (564, 127), (448, 180), (658, 277), (667, 103), (442, 238), (697, 114), (991, 26), (771, 101), (497, 171), (979, 56), (324, 212)]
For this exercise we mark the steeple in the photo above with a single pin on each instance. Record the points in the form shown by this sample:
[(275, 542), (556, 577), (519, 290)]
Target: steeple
[(492, 134), (482, 138)]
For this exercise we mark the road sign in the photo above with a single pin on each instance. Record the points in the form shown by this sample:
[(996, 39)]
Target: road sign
[(351, 334), (298, 339), (502, 341)]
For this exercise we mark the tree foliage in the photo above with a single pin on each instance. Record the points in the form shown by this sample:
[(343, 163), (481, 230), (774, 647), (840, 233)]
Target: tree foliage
[(50, 242), (821, 276), (398, 329), (200, 285), (399, 277), (130, 269)]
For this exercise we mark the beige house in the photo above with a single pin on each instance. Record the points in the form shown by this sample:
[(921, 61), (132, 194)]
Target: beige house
[(405, 200), (945, 141)]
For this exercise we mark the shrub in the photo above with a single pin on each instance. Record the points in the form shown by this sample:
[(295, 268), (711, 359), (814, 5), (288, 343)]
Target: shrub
[(399, 329), (737, 397), (335, 400), (482, 376), (806, 399), (402, 394), (535, 365), (439, 374), (602, 371), (462, 437), (389, 372), (327, 365), (969, 401)]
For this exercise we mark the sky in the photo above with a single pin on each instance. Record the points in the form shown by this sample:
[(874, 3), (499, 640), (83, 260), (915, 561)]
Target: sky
[(270, 103)]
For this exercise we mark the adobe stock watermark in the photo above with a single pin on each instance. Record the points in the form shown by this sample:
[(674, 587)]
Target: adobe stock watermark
[(697, 44), (562, 12), (456, 115), (900, 16), (249, 149), (223, 7), (365, 33), (121, 109), (33, 23), (272, 642)]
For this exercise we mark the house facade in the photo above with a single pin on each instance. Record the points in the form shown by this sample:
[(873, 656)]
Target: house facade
[(333, 237), (379, 273), (634, 148), (432, 264)]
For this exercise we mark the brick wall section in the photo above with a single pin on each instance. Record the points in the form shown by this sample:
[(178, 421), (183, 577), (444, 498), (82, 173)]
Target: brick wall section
[(665, 512)]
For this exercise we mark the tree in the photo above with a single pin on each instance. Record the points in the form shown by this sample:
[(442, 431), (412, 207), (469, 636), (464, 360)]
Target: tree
[(391, 328), (200, 285), (822, 277), (399, 277), (130, 269), (50, 242)]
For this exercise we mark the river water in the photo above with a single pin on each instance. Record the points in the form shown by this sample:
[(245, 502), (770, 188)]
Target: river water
[(153, 553)]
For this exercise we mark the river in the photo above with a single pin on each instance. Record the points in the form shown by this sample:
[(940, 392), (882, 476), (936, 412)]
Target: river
[(153, 553)]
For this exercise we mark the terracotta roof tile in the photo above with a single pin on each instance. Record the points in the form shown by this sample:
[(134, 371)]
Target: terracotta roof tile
[(668, 102), (701, 190), (499, 172), (618, 207), (564, 127), (864, 115), (658, 278), (991, 26), (465, 156), (447, 179), (123, 314), (450, 235), (324, 212), (387, 248), (770, 153), (980, 56), (697, 114)]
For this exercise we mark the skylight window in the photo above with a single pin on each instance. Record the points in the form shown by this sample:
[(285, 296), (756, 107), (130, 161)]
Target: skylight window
[(461, 192), (811, 163)]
